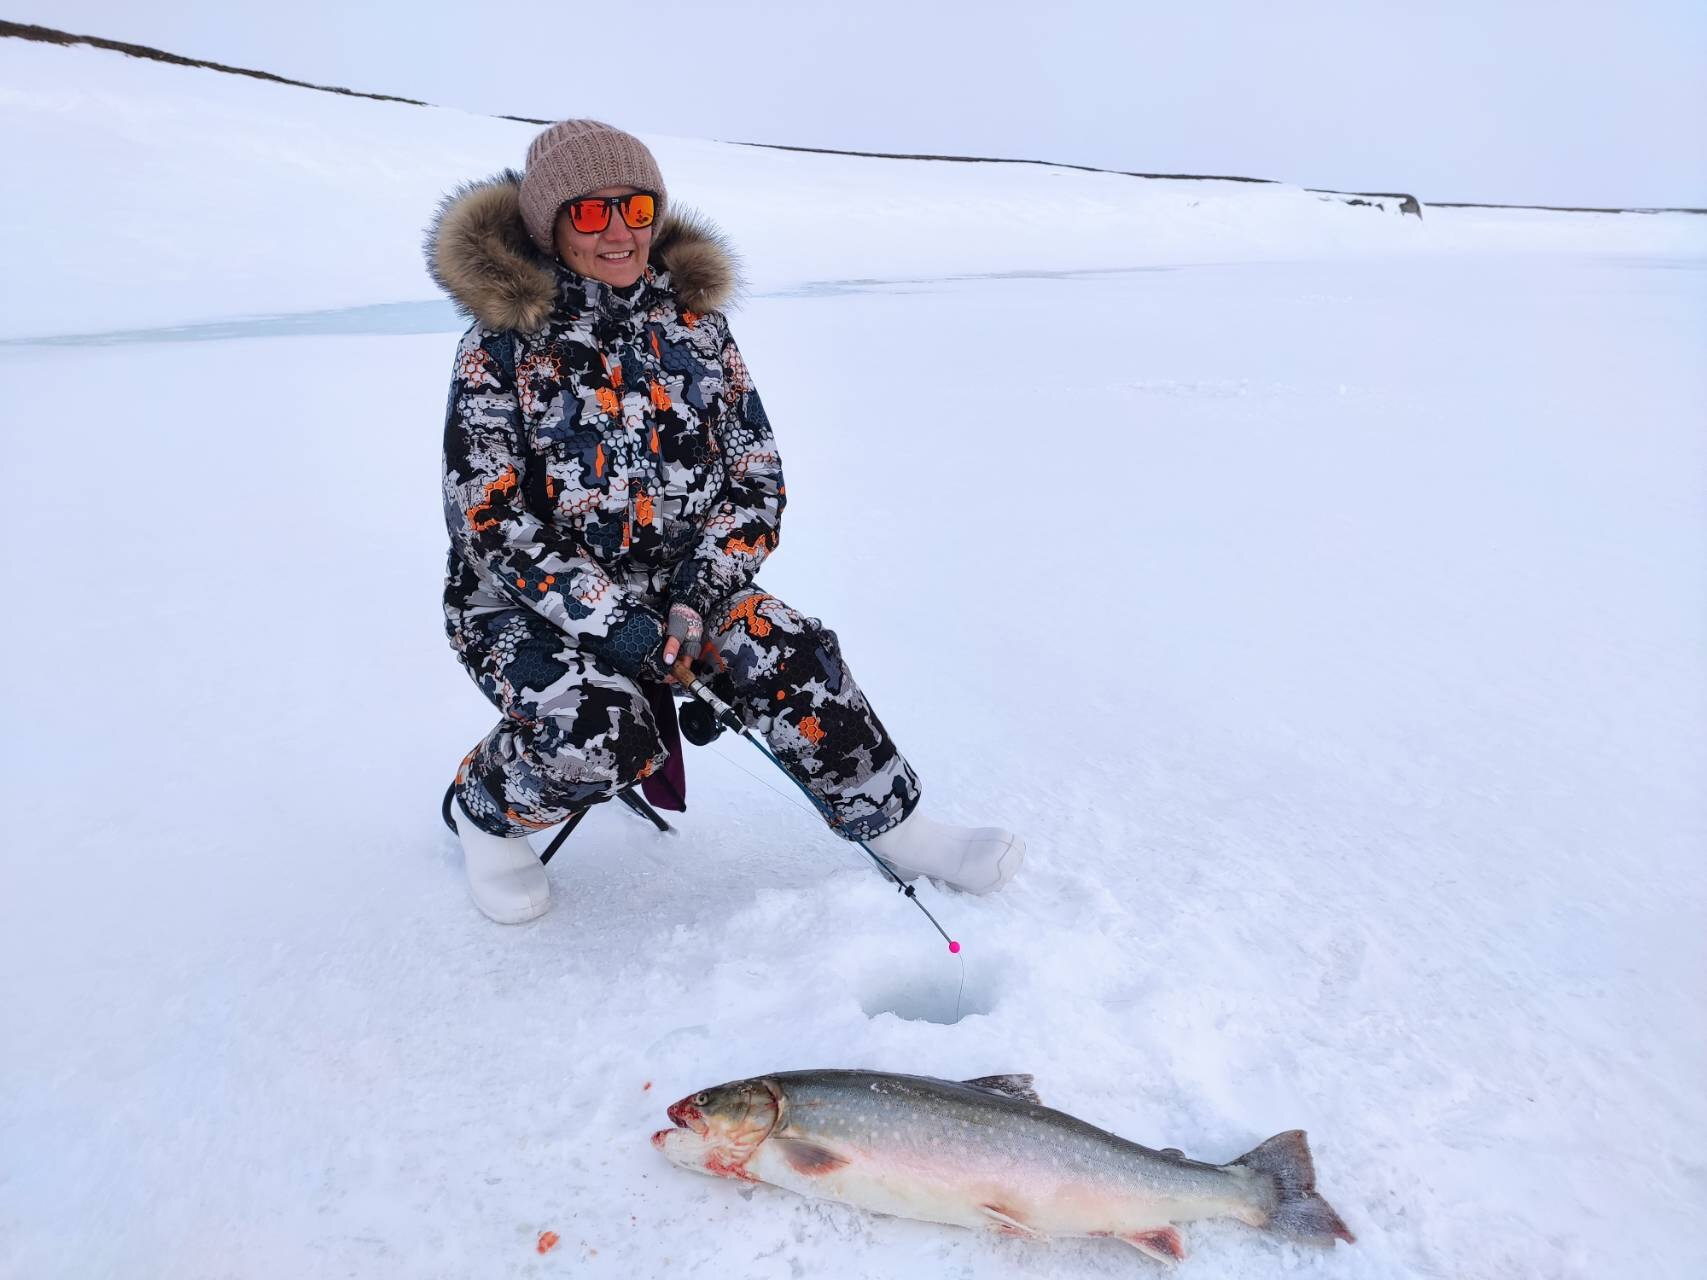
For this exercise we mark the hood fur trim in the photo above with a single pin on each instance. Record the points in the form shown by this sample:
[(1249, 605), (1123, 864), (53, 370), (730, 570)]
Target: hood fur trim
[(478, 251)]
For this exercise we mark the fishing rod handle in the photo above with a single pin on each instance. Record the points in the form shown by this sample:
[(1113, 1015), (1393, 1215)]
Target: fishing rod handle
[(683, 672)]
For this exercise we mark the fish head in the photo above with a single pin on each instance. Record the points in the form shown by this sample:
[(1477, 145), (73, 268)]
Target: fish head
[(717, 1130)]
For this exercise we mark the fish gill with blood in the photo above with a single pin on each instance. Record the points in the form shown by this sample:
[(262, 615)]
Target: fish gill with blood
[(984, 1153)]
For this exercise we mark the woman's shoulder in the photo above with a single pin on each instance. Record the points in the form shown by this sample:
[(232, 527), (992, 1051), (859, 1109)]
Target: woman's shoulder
[(485, 357), (705, 329)]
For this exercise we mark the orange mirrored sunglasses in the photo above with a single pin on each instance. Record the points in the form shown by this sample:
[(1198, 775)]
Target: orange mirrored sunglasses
[(591, 214)]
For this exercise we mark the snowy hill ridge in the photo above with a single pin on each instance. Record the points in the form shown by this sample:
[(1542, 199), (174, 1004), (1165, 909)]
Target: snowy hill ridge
[(1407, 203), (192, 161), (48, 35)]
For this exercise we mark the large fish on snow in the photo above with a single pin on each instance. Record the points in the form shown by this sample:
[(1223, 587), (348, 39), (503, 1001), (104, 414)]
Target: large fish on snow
[(984, 1153)]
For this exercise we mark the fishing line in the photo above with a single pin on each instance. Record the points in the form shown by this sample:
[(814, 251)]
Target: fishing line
[(776, 791), (726, 714), (824, 811), (901, 885)]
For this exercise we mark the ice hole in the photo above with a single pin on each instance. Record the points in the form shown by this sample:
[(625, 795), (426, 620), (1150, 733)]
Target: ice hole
[(929, 995)]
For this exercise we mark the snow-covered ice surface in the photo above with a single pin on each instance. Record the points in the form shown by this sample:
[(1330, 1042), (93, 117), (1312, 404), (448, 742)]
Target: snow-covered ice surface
[(1332, 623)]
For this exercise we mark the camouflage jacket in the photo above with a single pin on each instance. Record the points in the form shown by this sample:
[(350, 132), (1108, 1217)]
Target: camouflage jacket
[(605, 452)]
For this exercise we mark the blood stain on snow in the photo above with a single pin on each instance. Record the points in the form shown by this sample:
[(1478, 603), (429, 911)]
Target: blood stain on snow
[(645, 1087), (547, 1241)]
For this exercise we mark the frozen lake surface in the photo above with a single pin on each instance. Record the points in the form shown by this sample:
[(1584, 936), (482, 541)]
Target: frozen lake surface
[(1333, 629)]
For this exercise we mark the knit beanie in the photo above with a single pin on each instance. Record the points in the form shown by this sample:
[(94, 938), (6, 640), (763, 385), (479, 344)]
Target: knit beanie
[(574, 157)]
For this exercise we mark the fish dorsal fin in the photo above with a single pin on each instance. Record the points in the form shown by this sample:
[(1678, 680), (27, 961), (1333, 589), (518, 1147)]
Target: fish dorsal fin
[(1014, 1086)]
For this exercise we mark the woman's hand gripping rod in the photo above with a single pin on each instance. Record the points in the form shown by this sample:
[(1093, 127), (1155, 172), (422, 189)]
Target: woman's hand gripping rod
[(684, 676)]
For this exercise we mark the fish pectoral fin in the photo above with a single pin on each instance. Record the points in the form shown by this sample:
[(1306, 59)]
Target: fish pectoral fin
[(1161, 1243), (1003, 1219), (1011, 1086), (808, 1158)]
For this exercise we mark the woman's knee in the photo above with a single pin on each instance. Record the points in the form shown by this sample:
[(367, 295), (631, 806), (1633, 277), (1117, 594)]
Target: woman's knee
[(587, 734), (765, 644), (582, 771), (601, 737)]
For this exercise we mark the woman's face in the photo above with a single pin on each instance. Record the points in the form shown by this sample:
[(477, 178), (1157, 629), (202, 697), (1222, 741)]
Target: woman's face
[(616, 255)]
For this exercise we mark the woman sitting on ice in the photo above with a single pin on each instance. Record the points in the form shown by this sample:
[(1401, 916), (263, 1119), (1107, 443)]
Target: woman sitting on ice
[(611, 488)]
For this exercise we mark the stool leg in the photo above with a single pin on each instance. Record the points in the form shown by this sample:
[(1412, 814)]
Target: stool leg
[(632, 798), (563, 831)]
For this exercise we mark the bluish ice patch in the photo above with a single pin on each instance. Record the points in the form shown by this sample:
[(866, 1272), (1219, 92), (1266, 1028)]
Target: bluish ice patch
[(397, 319), (383, 318)]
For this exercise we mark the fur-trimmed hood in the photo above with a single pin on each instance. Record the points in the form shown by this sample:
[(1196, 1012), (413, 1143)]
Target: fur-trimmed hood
[(479, 252)]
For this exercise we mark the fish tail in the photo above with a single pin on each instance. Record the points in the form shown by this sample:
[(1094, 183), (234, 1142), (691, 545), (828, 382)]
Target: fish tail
[(1298, 1210)]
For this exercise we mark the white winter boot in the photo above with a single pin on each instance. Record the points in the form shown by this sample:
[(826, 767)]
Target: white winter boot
[(505, 876), (975, 859)]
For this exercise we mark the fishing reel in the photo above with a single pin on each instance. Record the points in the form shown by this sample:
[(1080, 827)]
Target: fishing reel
[(699, 723)]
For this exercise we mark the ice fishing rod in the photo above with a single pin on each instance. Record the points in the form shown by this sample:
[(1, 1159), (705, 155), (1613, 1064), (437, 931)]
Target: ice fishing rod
[(725, 715)]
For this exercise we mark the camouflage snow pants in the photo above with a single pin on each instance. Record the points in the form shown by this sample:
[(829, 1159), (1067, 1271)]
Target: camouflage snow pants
[(575, 731)]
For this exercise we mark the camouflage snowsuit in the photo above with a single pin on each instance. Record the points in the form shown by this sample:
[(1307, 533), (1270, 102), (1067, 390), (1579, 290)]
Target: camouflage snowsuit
[(599, 465)]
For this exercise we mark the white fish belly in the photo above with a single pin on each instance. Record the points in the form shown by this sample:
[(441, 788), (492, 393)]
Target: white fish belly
[(881, 1187), (982, 1194)]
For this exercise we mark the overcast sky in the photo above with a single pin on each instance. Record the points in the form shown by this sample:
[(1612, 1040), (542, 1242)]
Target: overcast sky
[(1519, 101)]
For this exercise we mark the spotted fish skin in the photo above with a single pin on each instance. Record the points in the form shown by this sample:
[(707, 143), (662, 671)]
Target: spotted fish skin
[(983, 1154)]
